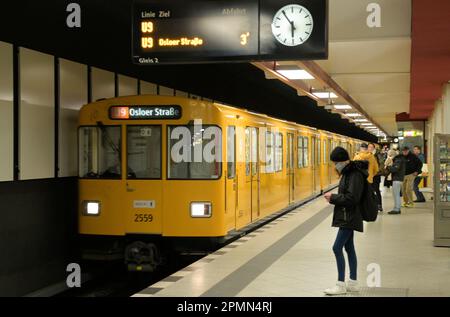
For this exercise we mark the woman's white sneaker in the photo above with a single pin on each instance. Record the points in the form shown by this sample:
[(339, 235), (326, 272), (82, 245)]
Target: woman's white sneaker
[(339, 289), (352, 286)]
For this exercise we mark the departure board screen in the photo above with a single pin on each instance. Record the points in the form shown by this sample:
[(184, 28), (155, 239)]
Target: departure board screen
[(180, 31)]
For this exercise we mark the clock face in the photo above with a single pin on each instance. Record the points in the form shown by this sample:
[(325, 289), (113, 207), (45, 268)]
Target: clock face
[(292, 25)]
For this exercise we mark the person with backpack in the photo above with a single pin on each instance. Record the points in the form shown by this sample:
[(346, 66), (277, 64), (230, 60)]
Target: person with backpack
[(347, 215)]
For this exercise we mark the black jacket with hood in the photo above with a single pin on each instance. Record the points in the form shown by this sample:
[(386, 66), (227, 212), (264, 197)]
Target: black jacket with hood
[(347, 209)]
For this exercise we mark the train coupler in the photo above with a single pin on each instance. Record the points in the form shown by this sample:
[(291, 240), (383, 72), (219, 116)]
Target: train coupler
[(142, 257)]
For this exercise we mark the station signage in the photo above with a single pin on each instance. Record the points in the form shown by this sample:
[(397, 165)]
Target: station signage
[(179, 31), (145, 112)]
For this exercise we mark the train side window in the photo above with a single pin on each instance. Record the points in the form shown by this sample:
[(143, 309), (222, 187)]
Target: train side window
[(325, 148), (194, 152), (305, 152), (247, 151), (300, 152), (231, 152), (318, 157), (254, 151), (270, 152), (144, 152), (278, 152)]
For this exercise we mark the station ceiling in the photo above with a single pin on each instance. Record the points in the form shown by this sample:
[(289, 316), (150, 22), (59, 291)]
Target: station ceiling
[(104, 41), (372, 64)]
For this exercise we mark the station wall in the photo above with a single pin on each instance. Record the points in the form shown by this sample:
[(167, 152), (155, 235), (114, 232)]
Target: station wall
[(40, 97)]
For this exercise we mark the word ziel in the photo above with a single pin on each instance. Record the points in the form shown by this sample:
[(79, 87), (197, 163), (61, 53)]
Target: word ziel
[(226, 307)]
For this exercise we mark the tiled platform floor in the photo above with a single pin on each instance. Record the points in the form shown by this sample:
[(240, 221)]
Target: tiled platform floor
[(292, 257)]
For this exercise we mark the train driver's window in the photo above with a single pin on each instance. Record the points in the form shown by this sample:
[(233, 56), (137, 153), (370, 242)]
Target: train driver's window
[(99, 152), (231, 152), (144, 152), (194, 152)]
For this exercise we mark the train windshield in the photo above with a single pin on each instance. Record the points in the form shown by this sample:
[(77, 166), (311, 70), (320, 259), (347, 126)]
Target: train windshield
[(99, 152), (194, 152)]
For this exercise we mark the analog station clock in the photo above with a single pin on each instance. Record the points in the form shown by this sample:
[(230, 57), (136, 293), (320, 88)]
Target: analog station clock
[(292, 25)]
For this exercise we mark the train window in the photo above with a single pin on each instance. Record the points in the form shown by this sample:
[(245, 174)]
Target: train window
[(254, 151), (231, 152), (300, 152), (318, 157), (194, 152), (305, 152), (325, 149), (278, 152), (247, 151), (144, 152), (270, 152), (99, 152)]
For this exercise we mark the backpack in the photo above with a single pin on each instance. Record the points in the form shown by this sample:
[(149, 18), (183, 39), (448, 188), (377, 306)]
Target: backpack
[(369, 203)]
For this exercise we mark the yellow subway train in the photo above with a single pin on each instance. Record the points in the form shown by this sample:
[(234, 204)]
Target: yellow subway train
[(159, 172)]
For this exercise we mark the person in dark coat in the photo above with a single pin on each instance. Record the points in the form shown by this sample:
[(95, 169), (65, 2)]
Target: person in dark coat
[(397, 170), (347, 216), (413, 167)]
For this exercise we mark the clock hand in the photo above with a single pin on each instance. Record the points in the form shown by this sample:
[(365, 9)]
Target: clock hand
[(286, 17)]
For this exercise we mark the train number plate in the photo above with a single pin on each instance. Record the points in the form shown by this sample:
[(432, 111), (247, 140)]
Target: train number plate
[(143, 217)]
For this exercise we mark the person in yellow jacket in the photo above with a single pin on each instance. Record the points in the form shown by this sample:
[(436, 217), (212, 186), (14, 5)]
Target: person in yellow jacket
[(365, 155)]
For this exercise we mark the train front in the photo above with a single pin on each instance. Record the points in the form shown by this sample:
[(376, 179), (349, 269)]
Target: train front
[(150, 176)]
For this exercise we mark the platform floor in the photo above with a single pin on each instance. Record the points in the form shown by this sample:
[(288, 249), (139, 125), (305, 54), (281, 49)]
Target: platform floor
[(292, 256)]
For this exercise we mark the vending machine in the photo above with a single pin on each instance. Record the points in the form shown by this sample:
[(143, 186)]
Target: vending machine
[(442, 190)]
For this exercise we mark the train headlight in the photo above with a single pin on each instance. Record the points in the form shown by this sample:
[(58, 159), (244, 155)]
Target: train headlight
[(201, 209), (91, 208)]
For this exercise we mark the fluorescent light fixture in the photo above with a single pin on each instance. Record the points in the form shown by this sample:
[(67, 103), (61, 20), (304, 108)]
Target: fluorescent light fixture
[(295, 74), (342, 107), (367, 124), (361, 120), (325, 95), (352, 114)]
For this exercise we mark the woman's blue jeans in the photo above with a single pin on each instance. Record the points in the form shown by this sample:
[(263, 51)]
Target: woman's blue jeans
[(344, 239)]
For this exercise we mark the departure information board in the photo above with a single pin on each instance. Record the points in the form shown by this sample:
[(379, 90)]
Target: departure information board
[(180, 31)]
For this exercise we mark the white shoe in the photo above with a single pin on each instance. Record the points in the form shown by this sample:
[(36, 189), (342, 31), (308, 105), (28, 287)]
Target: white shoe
[(352, 286), (339, 289)]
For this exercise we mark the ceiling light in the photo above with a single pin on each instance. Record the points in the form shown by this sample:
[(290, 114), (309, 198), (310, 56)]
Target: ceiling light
[(360, 120), (342, 107), (295, 74), (325, 95), (352, 114), (367, 124)]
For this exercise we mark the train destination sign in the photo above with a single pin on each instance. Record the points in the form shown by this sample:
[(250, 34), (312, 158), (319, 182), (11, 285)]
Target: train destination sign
[(145, 112), (180, 31)]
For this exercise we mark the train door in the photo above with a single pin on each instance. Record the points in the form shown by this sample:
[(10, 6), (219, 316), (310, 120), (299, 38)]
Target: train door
[(290, 166), (143, 190), (254, 177), (231, 184), (248, 191), (330, 164), (316, 164)]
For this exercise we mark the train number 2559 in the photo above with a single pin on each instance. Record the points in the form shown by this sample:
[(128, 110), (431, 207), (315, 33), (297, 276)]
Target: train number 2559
[(143, 217)]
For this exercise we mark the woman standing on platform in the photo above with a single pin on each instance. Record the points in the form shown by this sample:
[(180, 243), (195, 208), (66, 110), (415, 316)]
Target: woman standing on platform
[(347, 216)]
